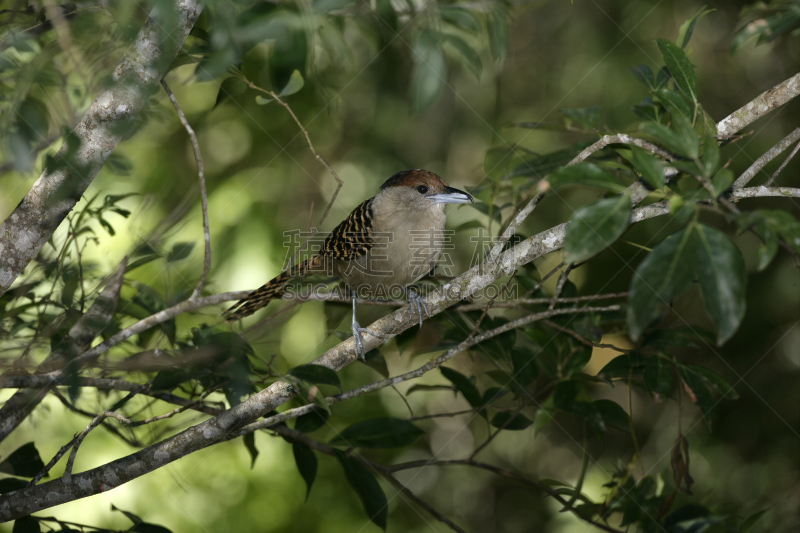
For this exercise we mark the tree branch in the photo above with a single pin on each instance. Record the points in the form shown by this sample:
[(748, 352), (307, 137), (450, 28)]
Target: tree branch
[(105, 123), (220, 428), (762, 161), (757, 108)]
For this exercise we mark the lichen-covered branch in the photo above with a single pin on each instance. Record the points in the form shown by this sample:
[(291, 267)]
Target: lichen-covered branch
[(757, 108), (762, 161), (105, 123)]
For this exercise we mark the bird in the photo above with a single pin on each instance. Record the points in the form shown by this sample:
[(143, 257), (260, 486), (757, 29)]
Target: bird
[(385, 245)]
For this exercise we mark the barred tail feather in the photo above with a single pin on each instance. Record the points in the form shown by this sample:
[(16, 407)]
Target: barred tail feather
[(272, 290)]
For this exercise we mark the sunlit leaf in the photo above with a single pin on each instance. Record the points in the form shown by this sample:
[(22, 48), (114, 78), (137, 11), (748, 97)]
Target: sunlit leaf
[(296, 82)]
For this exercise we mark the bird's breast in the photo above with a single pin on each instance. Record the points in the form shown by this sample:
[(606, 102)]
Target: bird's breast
[(405, 247)]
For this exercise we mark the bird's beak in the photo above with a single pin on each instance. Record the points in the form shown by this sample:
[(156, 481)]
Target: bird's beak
[(451, 196)]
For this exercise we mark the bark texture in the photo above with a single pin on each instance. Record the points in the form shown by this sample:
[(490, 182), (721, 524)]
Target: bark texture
[(105, 123)]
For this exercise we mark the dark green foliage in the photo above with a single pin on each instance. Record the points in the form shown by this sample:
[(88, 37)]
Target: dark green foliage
[(378, 433), (24, 461), (366, 486)]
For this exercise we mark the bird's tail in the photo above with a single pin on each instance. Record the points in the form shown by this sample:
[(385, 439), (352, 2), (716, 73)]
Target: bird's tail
[(271, 290)]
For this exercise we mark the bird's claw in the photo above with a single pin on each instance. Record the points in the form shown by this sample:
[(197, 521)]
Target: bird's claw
[(415, 301), (358, 341)]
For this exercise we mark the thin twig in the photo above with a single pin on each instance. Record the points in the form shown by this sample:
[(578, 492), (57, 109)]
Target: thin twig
[(581, 339), (339, 182), (422, 503), (82, 435), (56, 458), (619, 138), (561, 282), (762, 161), (441, 415), (508, 326), (783, 165), (201, 179), (758, 107)]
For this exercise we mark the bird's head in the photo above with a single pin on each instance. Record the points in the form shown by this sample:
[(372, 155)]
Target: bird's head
[(416, 186)]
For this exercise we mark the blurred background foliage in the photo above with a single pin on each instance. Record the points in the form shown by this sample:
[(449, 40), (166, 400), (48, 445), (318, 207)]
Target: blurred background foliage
[(387, 85)]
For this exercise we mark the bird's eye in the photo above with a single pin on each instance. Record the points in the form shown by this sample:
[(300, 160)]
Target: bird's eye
[(422, 189)]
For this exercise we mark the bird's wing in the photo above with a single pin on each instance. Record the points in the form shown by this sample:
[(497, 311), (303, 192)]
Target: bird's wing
[(353, 237)]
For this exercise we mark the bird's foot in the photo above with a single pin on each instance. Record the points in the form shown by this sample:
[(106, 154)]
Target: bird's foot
[(358, 341), (415, 301)]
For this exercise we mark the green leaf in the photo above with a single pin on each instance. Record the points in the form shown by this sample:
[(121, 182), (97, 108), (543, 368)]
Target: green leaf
[(715, 382), (525, 367), (311, 421), (249, 441), (687, 28), (470, 56), (180, 251), (614, 416), (375, 360), (701, 395), (596, 226), (657, 377), (295, 83), (587, 117), (587, 175), (260, 100), (649, 167), (306, 463), (750, 521), (24, 462), (463, 385), (711, 156), (722, 181), (317, 375), (673, 102), (378, 433), (429, 71), (498, 25), (367, 488), (666, 272), (679, 66), (681, 141), (644, 74), (511, 421), (461, 18), (722, 276), (232, 86)]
